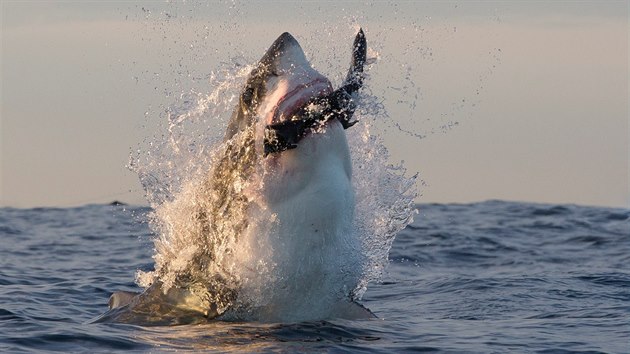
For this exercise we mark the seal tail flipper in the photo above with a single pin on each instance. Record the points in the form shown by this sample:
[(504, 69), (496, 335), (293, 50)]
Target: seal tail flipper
[(354, 79), (342, 99)]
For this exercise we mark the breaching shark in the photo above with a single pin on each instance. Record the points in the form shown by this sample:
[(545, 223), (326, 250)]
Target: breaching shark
[(289, 123)]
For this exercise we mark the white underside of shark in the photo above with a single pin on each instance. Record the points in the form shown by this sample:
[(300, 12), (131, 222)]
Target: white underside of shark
[(309, 192)]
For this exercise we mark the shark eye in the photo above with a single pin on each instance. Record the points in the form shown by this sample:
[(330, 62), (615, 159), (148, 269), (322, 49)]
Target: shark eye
[(248, 95)]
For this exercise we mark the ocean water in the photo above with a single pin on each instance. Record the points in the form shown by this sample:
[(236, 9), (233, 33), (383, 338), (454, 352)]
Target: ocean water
[(491, 277)]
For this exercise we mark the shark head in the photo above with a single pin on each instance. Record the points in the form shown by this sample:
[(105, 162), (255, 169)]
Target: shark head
[(281, 82), (283, 86), (291, 81)]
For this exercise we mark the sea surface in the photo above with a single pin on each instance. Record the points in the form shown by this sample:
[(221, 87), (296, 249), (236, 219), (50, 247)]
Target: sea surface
[(491, 277)]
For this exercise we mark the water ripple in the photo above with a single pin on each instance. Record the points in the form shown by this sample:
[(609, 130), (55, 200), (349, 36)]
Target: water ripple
[(483, 277)]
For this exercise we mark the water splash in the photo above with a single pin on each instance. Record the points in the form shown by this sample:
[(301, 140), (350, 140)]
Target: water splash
[(203, 209), (201, 217), (385, 200)]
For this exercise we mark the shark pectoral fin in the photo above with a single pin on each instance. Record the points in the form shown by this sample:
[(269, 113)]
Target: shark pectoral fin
[(351, 310), (153, 307), (121, 298)]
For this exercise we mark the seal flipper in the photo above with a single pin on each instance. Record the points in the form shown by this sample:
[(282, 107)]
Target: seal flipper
[(284, 136)]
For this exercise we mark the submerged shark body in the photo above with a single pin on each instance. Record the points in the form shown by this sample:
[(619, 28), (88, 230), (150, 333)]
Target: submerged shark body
[(288, 132)]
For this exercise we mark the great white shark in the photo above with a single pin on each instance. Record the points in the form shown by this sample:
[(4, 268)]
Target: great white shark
[(289, 130)]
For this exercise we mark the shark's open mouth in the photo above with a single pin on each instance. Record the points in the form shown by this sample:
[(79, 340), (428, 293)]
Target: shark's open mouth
[(295, 99)]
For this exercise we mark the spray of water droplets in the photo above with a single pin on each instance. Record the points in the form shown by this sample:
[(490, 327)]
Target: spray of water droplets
[(201, 209)]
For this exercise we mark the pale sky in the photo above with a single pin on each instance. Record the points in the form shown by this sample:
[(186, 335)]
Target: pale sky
[(539, 90)]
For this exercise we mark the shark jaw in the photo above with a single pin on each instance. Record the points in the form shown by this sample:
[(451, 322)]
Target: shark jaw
[(296, 95)]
